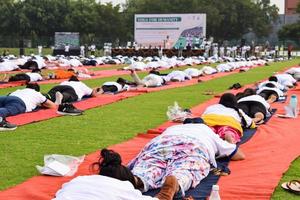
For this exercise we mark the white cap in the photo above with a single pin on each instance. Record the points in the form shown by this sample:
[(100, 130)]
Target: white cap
[(215, 187)]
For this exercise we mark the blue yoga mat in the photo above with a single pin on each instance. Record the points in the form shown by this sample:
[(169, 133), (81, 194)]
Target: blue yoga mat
[(202, 191)]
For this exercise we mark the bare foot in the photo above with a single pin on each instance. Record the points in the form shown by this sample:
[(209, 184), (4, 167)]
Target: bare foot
[(229, 138)]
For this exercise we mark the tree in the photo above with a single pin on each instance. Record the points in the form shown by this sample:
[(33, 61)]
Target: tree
[(291, 31), (228, 19)]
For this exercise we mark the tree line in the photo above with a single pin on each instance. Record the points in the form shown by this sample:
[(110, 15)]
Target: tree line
[(291, 31), (98, 23)]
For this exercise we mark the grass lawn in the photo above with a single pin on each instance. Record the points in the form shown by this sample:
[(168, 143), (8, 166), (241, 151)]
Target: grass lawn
[(104, 126), (28, 51)]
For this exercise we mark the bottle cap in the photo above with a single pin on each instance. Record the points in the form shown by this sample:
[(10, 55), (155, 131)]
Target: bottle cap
[(215, 187)]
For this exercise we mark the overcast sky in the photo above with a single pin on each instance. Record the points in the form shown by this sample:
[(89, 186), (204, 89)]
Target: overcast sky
[(279, 3)]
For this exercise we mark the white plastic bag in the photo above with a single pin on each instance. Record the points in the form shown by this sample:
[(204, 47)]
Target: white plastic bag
[(176, 113), (60, 165)]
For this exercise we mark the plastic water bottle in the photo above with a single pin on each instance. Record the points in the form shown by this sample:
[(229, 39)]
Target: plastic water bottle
[(294, 105), (214, 195)]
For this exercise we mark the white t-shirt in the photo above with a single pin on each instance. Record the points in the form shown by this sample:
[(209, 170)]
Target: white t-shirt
[(34, 76), (75, 63), (279, 92), (155, 80), (97, 187), (219, 109), (30, 97), (40, 62), (256, 98), (193, 72), (178, 75), (293, 70), (67, 48), (209, 70), (119, 86), (80, 88), (224, 67), (277, 85), (286, 79), (215, 145), (93, 47), (8, 66)]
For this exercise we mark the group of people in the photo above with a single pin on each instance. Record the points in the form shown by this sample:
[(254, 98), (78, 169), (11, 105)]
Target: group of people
[(60, 97), (176, 160), (74, 90), (183, 155)]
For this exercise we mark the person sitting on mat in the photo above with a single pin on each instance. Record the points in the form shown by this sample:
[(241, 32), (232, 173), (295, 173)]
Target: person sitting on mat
[(70, 91), (21, 101), (226, 120), (253, 105), (174, 161)]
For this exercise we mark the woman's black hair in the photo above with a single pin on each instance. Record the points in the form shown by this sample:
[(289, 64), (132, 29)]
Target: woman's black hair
[(36, 71), (249, 92), (270, 85), (74, 78), (239, 95), (228, 100), (110, 164), (33, 86), (154, 72), (273, 78), (121, 81)]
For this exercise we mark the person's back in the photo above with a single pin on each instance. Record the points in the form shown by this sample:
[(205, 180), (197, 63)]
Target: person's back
[(204, 135), (276, 85), (30, 97), (34, 76), (218, 109), (153, 80), (96, 187), (178, 76), (193, 72), (286, 79), (80, 88)]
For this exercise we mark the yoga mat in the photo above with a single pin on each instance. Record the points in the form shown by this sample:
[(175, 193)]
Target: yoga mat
[(202, 191), (268, 156), (44, 114), (44, 187)]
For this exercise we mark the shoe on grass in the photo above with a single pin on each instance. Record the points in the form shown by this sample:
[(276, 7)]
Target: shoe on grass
[(68, 109), (6, 126)]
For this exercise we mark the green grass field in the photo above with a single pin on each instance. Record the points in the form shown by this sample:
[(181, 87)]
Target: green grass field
[(100, 127)]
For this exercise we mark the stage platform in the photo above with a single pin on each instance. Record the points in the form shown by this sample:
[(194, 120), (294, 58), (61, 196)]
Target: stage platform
[(72, 52)]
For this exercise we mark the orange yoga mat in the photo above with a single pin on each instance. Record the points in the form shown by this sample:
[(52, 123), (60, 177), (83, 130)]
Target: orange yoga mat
[(256, 168), (268, 155), (101, 100)]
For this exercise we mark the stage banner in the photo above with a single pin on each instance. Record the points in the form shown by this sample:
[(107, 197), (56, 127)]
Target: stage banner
[(169, 30), (66, 38)]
